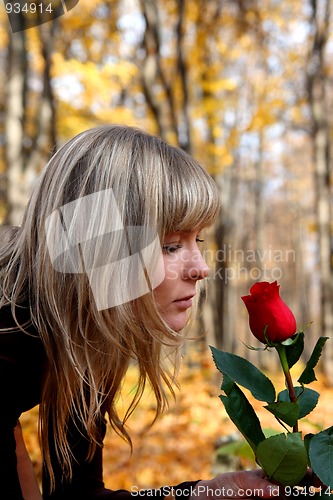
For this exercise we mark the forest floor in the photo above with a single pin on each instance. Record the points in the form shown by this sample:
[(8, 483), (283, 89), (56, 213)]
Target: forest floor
[(182, 444)]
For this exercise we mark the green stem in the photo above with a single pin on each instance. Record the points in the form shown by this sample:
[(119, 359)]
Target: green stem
[(289, 383)]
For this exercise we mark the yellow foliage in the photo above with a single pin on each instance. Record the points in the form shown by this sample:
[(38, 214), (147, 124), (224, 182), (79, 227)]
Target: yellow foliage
[(214, 86), (81, 14), (263, 117), (94, 86), (217, 131), (193, 10), (246, 41), (222, 157), (210, 105), (72, 120), (3, 29), (181, 444), (223, 47), (34, 48)]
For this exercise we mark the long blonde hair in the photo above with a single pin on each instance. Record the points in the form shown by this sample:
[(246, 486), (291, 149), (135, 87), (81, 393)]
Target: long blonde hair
[(88, 350)]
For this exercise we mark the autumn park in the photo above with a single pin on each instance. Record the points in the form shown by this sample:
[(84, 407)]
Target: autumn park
[(246, 88)]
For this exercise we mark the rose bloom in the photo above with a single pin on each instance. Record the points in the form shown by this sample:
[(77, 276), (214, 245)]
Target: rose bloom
[(265, 307)]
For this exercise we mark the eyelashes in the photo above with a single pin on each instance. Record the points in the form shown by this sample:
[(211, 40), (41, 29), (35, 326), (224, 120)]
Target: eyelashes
[(171, 248)]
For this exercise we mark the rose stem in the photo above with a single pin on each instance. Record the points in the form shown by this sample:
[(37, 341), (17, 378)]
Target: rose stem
[(289, 383)]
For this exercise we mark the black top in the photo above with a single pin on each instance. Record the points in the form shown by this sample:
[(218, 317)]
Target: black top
[(22, 361)]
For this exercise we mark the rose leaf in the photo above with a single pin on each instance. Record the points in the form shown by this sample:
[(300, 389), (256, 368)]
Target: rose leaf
[(245, 374)]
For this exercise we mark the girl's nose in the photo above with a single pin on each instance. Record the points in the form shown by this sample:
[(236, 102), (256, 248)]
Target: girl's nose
[(196, 267)]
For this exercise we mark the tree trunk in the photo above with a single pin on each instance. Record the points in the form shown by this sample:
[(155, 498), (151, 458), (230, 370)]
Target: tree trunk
[(153, 76), (14, 119), (184, 129), (321, 154), (26, 151)]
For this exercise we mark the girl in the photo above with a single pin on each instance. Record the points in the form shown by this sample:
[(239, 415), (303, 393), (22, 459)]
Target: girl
[(86, 288)]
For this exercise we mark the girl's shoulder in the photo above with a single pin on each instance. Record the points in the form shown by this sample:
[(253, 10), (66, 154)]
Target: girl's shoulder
[(19, 339), (22, 358)]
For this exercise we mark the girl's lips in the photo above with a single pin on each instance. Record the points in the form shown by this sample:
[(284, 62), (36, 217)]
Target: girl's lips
[(184, 303)]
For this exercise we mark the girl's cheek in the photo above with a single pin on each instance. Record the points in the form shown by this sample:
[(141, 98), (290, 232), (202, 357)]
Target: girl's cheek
[(172, 268)]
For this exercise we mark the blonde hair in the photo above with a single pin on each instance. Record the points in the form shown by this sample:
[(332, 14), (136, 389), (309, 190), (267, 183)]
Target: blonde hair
[(88, 350)]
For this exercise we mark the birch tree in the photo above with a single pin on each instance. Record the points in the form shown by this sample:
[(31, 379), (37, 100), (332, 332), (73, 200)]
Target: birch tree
[(320, 133), (29, 117)]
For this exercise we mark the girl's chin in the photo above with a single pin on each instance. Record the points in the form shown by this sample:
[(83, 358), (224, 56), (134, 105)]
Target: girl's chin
[(176, 322)]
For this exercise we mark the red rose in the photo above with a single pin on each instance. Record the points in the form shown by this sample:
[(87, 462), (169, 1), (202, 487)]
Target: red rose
[(265, 307)]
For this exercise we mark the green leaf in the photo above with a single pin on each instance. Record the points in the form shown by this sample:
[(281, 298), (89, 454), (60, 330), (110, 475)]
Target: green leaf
[(308, 374), (321, 455), (307, 441), (227, 384), (294, 351), (243, 416), (307, 399), (245, 374), (239, 448), (286, 411), (283, 458)]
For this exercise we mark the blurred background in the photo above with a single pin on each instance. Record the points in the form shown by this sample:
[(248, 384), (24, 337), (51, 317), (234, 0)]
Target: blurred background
[(244, 86)]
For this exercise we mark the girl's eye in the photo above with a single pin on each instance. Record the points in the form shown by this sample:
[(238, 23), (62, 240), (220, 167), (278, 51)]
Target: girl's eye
[(171, 248), (198, 240)]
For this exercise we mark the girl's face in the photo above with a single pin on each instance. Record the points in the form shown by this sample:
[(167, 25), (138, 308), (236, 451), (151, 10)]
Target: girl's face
[(184, 266)]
